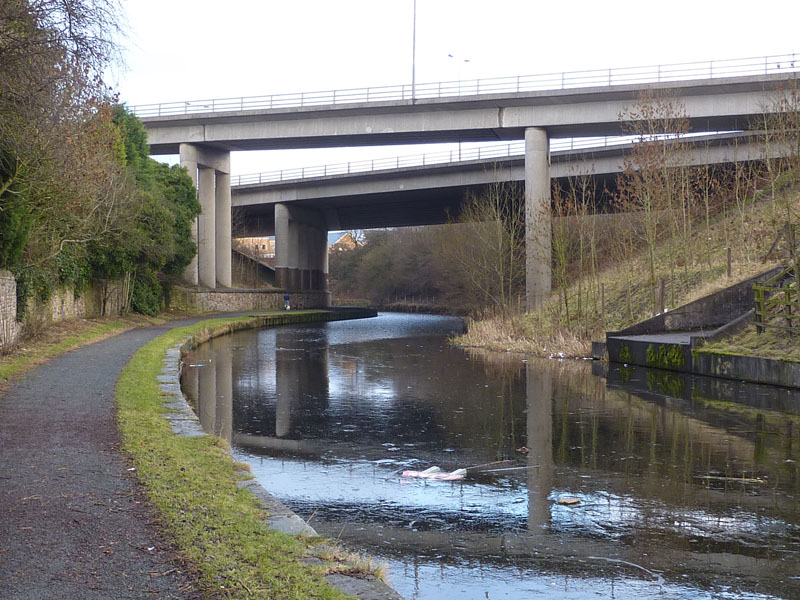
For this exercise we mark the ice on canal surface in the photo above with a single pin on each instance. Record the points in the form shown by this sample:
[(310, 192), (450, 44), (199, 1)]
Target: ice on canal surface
[(688, 488)]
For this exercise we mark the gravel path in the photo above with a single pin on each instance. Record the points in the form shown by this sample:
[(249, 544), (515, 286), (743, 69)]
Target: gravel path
[(73, 523)]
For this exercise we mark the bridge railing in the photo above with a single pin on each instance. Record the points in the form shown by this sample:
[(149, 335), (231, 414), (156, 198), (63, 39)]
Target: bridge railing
[(456, 155), (738, 67)]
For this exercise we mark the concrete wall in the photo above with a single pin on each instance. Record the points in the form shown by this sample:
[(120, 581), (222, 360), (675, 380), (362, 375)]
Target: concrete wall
[(243, 300), (708, 313), (747, 368)]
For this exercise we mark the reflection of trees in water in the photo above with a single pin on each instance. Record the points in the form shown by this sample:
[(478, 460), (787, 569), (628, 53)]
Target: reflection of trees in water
[(662, 438), (631, 456), (424, 392)]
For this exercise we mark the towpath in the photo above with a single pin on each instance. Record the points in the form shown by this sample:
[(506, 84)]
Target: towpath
[(73, 522)]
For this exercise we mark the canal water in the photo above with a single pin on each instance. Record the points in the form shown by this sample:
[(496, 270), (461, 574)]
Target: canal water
[(686, 487)]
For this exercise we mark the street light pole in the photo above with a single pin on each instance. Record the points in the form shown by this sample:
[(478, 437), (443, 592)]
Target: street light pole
[(414, 55)]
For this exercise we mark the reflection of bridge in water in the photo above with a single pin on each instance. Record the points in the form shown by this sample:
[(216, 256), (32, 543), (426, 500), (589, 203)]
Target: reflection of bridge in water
[(645, 490)]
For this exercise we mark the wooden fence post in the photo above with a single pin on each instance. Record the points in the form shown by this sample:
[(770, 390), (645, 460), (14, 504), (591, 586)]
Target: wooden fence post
[(661, 285), (758, 317), (603, 305), (729, 262)]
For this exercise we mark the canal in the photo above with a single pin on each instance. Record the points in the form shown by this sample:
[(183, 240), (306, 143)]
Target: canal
[(581, 482)]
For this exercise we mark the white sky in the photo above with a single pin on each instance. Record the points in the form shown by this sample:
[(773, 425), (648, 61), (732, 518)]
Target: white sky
[(202, 49)]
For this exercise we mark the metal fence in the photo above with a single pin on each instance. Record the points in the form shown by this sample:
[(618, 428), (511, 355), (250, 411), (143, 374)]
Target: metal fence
[(737, 67)]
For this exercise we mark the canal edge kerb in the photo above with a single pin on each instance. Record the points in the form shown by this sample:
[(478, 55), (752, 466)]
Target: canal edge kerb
[(184, 422)]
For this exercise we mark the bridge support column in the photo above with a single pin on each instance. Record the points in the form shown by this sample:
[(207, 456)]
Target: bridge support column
[(301, 248), (189, 162), (223, 425), (223, 229), (206, 237), (210, 172), (538, 228)]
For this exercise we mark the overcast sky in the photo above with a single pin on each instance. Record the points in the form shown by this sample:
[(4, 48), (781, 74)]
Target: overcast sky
[(201, 49)]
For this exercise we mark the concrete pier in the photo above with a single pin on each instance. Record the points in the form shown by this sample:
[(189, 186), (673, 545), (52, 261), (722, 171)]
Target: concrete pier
[(189, 162), (222, 243), (301, 248), (206, 228), (538, 216), (210, 172)]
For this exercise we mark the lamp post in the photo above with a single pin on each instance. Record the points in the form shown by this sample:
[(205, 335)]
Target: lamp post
[(414, 55), (459, 63)]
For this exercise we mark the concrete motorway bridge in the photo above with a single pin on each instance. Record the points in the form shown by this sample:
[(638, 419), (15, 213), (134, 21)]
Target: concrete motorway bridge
[(715, 96), (428, 194)]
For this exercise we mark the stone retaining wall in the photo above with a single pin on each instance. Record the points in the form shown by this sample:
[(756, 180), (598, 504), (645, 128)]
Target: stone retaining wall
[(9, 328), (236, 300), (101, 298)]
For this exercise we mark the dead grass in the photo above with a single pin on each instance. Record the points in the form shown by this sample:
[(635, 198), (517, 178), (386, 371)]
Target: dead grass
[(629, 296), (511, 334), (340, 560)]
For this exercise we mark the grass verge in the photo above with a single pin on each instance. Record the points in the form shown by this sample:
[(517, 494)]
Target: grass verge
[(218, 528), (770, 344), (627, 297)]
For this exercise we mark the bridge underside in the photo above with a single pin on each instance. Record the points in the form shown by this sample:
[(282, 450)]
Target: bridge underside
[(300, 213), (382, 210), (372, 211)]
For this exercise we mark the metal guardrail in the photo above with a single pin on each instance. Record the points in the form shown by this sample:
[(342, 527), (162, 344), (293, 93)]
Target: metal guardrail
[(485, 152), (737, 67), (381, 164)]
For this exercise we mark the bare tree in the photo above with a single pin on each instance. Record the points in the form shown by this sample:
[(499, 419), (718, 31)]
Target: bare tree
[(60, 155), (652, 182), (487, 248)]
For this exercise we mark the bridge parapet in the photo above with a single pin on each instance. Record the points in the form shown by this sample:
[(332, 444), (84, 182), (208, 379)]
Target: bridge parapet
[(481, 153), (565, 80)]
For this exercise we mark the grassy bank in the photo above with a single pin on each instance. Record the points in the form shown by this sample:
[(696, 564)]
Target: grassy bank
[(621, 294), (217, 527), (770, 344)]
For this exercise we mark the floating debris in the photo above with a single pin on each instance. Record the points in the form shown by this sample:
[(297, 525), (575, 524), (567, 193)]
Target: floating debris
[(750, 480), (436, 474), (569, 501)]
